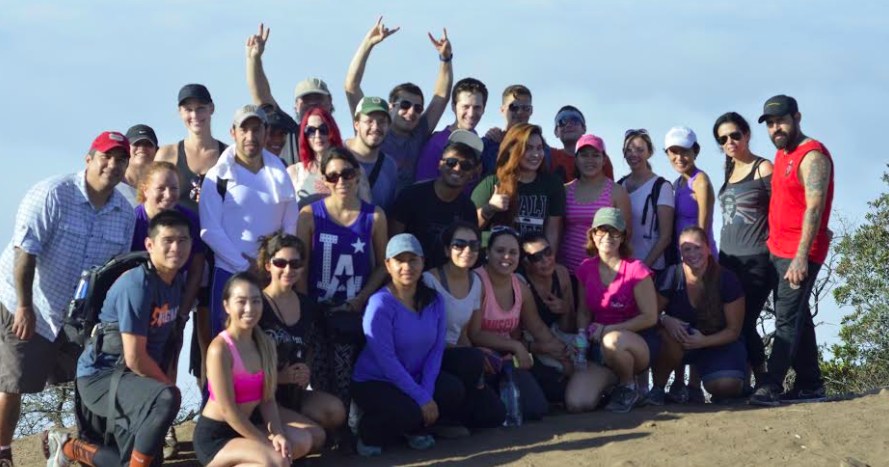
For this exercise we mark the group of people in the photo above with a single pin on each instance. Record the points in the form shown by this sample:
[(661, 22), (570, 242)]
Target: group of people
[(382, 287)]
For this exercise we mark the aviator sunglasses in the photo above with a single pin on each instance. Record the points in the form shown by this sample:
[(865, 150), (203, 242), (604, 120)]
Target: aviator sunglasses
[(464, 164), (406, 104), (346, 175), (735, 136)]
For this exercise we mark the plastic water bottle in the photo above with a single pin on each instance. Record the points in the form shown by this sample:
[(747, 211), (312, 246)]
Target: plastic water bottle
[(509, 394), (582, 344), (83, 286)]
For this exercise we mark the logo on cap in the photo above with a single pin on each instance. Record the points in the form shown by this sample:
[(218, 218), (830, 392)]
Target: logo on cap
[(116, 137)]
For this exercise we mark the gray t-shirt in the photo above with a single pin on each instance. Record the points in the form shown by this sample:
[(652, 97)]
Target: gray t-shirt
[(405, 151)]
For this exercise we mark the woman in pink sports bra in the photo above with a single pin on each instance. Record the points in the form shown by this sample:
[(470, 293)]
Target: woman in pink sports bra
[(241, 380)]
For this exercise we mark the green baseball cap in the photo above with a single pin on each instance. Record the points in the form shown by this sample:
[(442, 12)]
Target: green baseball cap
[(368, 105), (611, 217)]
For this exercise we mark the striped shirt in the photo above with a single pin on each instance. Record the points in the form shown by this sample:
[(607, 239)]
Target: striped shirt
[(578, 219), (57, 223)]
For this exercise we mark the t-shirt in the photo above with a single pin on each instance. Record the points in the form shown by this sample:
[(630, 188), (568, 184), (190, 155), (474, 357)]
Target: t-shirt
[(383, 190), (672, 285), (645, 230), (457, 310), (142, 304), (405, 150), (291, 341), (426, 216), (542, 198), (615, 303), (430, 156), (194, 229), (562, 165)]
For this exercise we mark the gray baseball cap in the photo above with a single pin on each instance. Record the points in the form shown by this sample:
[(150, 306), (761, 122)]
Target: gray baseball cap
[(247, 112)]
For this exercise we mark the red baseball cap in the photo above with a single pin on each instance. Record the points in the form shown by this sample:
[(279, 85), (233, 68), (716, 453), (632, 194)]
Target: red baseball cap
[(109, 140)]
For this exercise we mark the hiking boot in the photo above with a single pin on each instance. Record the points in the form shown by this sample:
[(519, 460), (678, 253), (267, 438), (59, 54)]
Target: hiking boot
[(765, 395), (656, 397), (804, 395), (678, 393), (449, 431), (6, 458), (696, 395), (623, 399), (53, 440), (171, 444)]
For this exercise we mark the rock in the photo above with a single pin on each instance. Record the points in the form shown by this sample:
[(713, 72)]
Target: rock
[(884, 392), (650, 425), (853, 462)]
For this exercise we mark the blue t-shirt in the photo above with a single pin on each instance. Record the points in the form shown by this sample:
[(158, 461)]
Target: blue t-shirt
[(671, 284), (142, 304), (382, 191)]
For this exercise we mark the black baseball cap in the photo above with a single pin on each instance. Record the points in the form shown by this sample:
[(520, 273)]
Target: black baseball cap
[(778, 106), (195, 91), (280, 120), (141, 132)]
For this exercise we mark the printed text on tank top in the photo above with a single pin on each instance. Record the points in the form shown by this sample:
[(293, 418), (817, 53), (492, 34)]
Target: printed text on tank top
[(341, 257), (496, 318), (247, 386)]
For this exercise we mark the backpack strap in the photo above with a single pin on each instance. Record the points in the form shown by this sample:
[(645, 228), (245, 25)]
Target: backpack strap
[(375, 172), (221, 187)]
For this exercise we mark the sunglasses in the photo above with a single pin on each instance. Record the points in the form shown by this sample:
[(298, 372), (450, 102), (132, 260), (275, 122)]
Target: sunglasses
[(631, 132), (406, 104), (346, 175), (460, 244), (310, 131), (538, 257), (464, 164), (513, 107), (613, 233), (497, 229), (735, 136), (565, 121), (281, 263)]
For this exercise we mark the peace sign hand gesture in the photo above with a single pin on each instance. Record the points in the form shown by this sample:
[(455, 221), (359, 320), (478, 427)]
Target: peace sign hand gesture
[(443, 45), (256, 42), (379, 32)]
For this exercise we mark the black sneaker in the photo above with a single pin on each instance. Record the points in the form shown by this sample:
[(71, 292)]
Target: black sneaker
[(765, 395), (623, 399), (804, 395)]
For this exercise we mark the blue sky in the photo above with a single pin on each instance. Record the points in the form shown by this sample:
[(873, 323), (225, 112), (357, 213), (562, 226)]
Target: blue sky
[(73, 69)]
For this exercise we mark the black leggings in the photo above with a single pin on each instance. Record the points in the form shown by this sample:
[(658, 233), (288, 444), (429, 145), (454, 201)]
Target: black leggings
[(481, 407), (757, 276)]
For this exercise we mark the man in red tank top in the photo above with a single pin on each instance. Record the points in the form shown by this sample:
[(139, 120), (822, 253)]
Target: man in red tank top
[(799, 210)]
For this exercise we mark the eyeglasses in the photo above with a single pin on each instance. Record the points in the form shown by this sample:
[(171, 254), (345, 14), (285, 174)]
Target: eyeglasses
[(599, 233), (406, 104), (572, 120), (513, 107), (281, 263), (346, 175), (735, 136), (538, 257), (497, 229), (460, 244), (632, 132), (464, 164), (310, 131)]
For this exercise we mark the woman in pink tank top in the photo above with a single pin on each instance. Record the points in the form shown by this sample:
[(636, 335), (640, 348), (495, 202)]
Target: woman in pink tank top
[(242, 377), (584, 196)]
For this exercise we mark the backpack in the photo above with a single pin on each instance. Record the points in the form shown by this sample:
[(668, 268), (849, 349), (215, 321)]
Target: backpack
[(671, 254)]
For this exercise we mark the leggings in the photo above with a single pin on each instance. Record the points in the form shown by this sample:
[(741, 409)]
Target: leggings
[(758, 279), (481, 406)]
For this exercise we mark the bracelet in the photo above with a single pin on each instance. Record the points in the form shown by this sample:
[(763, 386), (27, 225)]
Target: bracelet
[(446, 60)]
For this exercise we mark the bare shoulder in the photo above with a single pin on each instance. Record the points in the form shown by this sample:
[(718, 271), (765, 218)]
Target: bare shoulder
[(166, 153), (765, 169)]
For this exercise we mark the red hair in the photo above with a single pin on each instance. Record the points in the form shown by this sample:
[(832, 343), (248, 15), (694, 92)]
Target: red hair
[(306, 155), (512, 150)]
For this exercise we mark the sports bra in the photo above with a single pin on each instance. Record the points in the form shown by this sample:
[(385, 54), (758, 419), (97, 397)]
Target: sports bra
[(248, 386)]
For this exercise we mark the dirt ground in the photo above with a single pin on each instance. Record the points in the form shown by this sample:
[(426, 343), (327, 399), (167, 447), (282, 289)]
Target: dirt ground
[(852, 433)]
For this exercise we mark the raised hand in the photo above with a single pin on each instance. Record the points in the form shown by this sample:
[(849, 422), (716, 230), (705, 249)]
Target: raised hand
[(443, 45), (256, 42), (379, 32)]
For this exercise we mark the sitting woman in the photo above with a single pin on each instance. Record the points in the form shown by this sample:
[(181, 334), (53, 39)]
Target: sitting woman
[(288, 318), (461, 290), (507, 309), (704, 314), (241, 378), (397, 381), (617, 308)]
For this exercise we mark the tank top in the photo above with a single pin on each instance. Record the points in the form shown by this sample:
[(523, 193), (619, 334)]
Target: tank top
[(495, 319), (745, 214), (788, 205), (309, 184), (546, 315), (342, 256), (247, 386), (458, 311), (687, 209), (190, 182), (578, 218)]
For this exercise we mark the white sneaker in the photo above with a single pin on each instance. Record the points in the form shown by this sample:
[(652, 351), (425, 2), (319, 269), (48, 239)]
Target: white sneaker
[(53, 442)]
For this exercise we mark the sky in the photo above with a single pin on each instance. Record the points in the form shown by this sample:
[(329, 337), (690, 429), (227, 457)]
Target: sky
[(71, 70)]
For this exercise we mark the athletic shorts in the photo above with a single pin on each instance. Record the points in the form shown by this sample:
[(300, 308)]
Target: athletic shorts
[(18, 372), (652, 341), (210, 436), (725, 361)]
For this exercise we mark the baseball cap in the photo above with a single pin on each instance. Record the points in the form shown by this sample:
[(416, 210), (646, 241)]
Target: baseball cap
[(368, 105), (590, 140), (109, 140), (141, 132), (311, 86), (247, 112), (778, 106), (280, 120), (611, 217), (468, 138), (681, 136), (195, 91), (403, 243)]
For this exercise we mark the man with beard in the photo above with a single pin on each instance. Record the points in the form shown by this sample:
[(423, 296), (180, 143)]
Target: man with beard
[(425, 209), (245, 196), (143, 147), (371, 123), (799, 211), (65, 225), (411, 125)]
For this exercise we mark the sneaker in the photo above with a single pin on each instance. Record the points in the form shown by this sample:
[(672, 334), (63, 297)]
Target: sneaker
[(804, 395), (449, 431), (765, 395), (656, 396), (623, 399), (53, 440), (678, 393), (420, 442), (366, 450), (171, 444), (696, 395)]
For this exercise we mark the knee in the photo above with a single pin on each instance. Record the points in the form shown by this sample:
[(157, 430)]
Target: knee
[(301, 441), (333, 414), (612, 342), (168, 401)]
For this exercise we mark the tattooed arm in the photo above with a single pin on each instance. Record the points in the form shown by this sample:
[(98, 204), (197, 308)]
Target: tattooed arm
[(815, 173)]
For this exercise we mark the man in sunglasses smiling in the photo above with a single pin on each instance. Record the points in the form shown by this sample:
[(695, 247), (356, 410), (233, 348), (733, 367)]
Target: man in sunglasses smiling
[(411, 124), (426, 208)]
